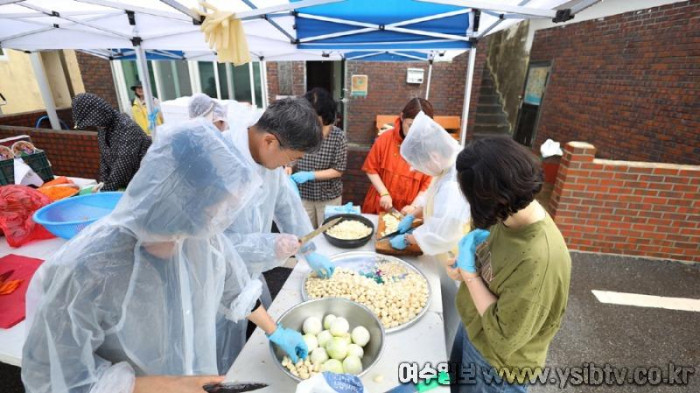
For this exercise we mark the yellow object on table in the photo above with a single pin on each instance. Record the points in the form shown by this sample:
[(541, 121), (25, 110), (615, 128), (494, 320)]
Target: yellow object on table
[(225, 34)]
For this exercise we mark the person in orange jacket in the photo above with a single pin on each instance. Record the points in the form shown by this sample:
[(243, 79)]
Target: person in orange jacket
[(394, 183)]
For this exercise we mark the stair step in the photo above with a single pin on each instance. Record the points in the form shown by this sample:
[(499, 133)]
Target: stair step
[(486, 82), (488, 108), (491, 118), (487, 90), (490, 99), (491, 128)]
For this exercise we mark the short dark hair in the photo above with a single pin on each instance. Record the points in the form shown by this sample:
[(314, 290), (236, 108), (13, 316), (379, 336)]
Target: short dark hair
[(293, 121), (323, 103), (411, 110), (499, 177)]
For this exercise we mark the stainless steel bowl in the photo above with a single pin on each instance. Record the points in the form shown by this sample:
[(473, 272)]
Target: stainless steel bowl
[(356, 314), (362, 260)]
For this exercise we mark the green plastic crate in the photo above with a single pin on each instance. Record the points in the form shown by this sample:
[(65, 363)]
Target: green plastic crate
[(37, 161), (7, 172)]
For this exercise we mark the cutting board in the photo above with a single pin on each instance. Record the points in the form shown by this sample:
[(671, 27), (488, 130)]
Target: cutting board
[(13, 304), (384, 247)]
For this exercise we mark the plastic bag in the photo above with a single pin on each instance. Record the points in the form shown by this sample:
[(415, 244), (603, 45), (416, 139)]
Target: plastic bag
[(550, 148), (17, 206), (331, 383)]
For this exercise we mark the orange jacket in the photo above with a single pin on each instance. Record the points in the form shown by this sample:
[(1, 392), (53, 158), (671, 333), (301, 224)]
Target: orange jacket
[(385, 160)]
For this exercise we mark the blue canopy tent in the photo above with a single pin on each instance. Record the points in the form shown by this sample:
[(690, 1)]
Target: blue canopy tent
[(389, 30), (275, 29), (401, 26)]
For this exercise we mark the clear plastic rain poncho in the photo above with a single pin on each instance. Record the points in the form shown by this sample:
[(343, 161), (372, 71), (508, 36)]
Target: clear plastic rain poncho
[(274, 200), (428, 148), (144, 290), (201, 105)]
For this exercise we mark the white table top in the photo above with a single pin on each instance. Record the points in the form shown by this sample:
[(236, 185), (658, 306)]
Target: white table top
[(422, 342), (11, 340), (255, 363)]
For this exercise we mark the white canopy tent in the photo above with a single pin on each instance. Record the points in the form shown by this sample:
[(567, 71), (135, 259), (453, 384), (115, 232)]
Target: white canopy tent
[(275, 29)]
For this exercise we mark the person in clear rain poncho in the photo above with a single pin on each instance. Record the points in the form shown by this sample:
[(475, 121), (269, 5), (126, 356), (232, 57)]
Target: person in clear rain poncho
[(135, 301), (201, 105), (429, 149), (287, 130)]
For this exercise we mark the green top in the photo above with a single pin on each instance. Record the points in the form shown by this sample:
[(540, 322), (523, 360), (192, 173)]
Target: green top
[(528, 269)]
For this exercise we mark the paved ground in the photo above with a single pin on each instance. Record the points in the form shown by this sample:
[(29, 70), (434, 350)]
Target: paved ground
[(622, 336), (626, 336)]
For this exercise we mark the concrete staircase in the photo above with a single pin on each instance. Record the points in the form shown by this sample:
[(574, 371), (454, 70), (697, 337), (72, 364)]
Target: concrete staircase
[(490, 117)]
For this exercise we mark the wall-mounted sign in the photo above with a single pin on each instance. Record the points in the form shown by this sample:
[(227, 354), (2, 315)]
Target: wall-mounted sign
[(359, 86)]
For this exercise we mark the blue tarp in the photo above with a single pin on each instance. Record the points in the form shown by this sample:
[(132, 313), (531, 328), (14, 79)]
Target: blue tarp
[(383, 13), (129, 54), (388, 56)]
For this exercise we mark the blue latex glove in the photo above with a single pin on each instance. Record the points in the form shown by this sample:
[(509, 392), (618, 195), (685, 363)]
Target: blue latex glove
[(399, 242), (303, 177), (467, 249), (406, 223), (152, 117), (348, 208), (323, 266), (290, 341), (294, 185)]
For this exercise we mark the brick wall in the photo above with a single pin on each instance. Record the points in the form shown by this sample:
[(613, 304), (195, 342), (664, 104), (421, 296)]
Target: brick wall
[(28, 119), (72, 153), (631, 208), (97, 77), (388, 91), (628, 82), (355, 182)]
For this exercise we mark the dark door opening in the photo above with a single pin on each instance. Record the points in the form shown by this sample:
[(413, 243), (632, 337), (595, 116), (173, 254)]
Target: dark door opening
[(319, 74), (327, 75), (535, 85)]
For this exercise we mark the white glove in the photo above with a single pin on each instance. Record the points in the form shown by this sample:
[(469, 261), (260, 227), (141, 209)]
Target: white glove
[(286, 245)]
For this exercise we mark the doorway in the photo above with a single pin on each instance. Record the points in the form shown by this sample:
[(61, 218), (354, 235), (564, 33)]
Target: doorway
[(327, 75), (528, 117)]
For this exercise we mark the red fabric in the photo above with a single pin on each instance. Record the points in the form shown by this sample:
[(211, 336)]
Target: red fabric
[(385, 160), (13, 304), (17, 206)]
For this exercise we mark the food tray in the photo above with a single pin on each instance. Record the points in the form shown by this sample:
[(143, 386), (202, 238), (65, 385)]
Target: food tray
[(366, 260)]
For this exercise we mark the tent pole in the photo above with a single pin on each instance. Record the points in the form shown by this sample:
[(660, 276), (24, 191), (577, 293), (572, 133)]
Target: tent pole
[(430, 74), (229, 81), (263, 81), (45, 89), (467, 95), (142, 67), (251, 76), (346, 98)]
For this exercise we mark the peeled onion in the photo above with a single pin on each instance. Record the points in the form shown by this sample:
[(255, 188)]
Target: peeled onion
[(328, 320), (333, 365), (318, 356), (339, 326), (360, 336), (312, 325), (311, 342), (337, 349), (355, 350), (323, 338), (352, 365)]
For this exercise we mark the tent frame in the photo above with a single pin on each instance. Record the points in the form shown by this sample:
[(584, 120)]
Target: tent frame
[(181, 14)]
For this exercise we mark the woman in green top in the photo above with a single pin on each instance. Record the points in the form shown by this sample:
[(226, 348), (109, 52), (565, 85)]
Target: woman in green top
[(515, 269)]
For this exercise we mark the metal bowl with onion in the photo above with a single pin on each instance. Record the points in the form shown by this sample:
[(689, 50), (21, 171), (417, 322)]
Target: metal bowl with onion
[(356, 314), (349, 243)]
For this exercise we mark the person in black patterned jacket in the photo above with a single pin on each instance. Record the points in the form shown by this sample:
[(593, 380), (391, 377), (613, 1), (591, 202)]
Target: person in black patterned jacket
[(121, 141), (319, 174)]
